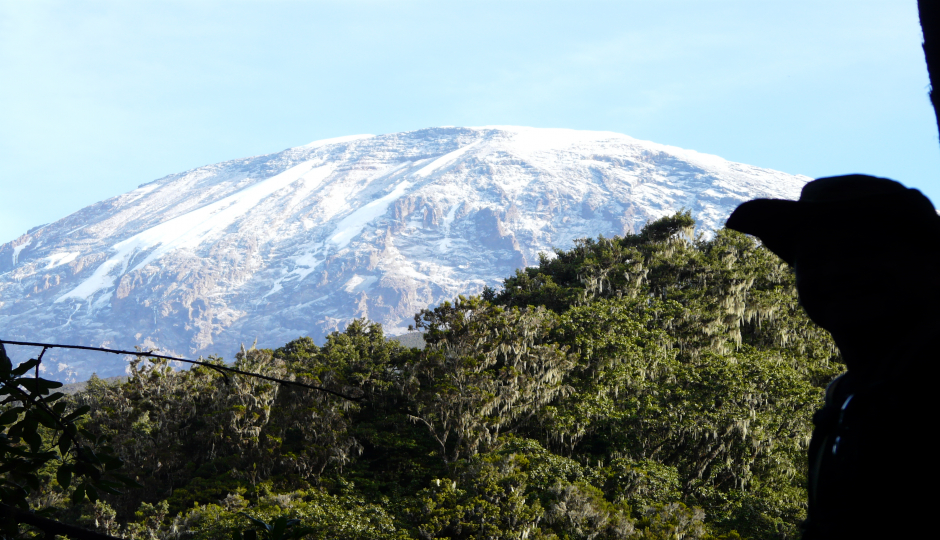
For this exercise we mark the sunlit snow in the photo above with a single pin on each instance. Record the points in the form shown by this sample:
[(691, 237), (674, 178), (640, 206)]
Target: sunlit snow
[(18, 249), (335, 140), (59, 259), (445, 160), (350, 226), (189, 230)]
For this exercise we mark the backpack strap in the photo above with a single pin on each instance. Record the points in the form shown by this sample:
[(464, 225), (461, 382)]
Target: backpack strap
[(826, 422)]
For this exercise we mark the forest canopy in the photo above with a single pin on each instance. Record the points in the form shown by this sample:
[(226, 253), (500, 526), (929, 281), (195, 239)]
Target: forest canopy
[(651, 386)]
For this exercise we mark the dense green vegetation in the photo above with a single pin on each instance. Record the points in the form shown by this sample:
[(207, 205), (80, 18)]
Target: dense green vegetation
[(651, 386)]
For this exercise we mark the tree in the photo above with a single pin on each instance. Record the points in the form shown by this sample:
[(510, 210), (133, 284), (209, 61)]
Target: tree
[(483, 368), (930, 25)]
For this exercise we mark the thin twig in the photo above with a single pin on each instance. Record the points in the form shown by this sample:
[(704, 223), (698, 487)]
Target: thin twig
[(38, 363), (215, 367)]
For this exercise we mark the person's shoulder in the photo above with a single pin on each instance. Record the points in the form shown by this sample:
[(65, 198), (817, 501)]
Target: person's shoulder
[(839, 389)]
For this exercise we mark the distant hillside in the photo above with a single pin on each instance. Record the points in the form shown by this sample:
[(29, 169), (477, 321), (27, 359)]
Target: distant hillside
[(76, 387), (411, 339)]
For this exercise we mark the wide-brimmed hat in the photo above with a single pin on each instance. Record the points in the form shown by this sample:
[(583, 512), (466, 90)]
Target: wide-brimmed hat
[(839, 203)]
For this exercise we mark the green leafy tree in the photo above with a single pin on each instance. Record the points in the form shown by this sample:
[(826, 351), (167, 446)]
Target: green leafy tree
[(484, 368), (693, 354), (489, 498)]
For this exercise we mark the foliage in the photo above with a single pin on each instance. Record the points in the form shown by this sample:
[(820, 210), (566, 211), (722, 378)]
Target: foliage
[(41, 434), (200, 435), (484, 368), (649, 386), (280, 529), (319, 515), (693, 355)]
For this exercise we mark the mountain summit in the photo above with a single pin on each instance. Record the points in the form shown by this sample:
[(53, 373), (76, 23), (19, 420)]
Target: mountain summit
[(302, 241)]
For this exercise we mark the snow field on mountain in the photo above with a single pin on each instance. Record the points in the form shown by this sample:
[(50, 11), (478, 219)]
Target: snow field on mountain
[(302, 241)]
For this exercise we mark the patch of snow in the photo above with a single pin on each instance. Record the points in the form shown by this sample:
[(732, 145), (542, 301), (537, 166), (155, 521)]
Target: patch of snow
[(358, 283), (445, 160), (274, 289), (445, 243), (100, 279), (336, 140), (351, 226), (304, 264), (191, 229), (100, 302), (449, 218), (146, 188), (336, 198), (69, 321), (307, 262), (18, 249), (58, 259), (530, 141)]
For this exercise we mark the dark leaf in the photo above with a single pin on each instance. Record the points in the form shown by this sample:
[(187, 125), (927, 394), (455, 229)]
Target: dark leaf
[(77, 413), (10, 416), (31, 433), (280, 525), (79, 494), (32, 481), (64, 475), (24, 367), (64, 444), (257, 522), (46, 419)]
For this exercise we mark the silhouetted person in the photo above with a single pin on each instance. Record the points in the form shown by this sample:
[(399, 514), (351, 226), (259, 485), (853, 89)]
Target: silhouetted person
[(866, 254)]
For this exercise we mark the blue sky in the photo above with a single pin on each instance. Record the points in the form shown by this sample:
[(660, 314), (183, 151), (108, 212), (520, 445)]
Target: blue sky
[(99, 97)]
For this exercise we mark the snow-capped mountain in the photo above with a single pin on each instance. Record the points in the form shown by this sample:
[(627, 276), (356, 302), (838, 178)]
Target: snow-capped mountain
[(302, 241)]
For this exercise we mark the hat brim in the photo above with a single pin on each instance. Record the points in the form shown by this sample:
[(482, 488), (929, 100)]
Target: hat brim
[(830, 210), (777, 222)]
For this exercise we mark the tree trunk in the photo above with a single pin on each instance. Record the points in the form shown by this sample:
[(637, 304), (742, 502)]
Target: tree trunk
[(930, 24)]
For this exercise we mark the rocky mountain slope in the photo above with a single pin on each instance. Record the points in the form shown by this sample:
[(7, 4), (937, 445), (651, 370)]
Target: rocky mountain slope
[(301, 241)]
